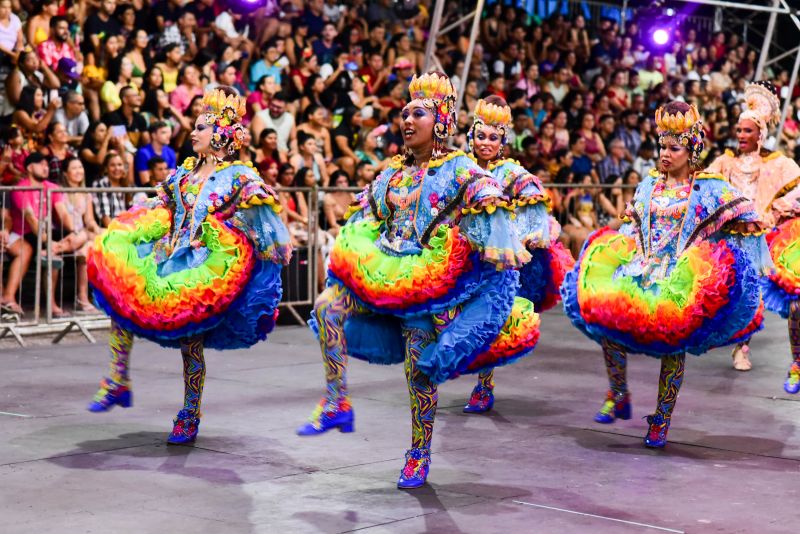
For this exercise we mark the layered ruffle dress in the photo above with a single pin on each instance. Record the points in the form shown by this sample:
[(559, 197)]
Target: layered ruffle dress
[(773, 183), (441, 254), (198, 260), (542, 276), (681, 275)]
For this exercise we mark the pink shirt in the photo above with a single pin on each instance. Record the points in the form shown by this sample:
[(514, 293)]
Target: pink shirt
[(181, 97), (24, 200)]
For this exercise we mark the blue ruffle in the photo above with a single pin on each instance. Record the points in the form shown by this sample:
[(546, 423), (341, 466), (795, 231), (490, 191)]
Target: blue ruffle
[(247, 320), (744, 298), (775, 298), (535, 276)]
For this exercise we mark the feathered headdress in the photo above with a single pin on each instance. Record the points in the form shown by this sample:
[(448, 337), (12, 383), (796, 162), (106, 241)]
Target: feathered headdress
[(763, 106), (225, 113), (438, 95), (685, 128), (488, 114)]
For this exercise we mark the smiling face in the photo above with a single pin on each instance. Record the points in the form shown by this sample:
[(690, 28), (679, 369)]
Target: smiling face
[(418, 124), (486, 142), (75, 173), (115, 169), (201, 136), (673, 157), (747, 134)]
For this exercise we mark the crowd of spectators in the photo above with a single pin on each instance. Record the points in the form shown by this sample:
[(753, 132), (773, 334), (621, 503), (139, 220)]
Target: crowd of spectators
[(104, 93)]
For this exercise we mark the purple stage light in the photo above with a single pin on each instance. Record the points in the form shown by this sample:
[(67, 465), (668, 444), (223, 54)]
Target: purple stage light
[(660, 37)]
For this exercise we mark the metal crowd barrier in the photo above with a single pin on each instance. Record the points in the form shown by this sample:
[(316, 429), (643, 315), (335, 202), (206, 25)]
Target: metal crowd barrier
[(303, 278)]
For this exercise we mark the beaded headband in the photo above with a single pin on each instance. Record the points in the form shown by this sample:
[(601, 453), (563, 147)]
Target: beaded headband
[(225, 113), (686, 129)]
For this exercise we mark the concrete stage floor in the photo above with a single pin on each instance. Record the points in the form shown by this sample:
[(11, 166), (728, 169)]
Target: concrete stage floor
[(537, 463)]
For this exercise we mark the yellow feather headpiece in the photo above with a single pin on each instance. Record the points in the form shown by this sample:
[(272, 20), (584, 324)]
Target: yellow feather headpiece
[(677, 123), (233, 107), (225, 113), (492, 114), (431, 85)]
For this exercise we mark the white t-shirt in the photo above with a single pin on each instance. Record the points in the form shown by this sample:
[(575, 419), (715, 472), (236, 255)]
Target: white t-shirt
[(8, 34), (224, 22), (282, 125)]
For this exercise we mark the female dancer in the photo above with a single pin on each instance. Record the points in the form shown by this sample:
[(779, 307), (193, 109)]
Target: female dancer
[(540, 278), (199, 266), (424, 272), (680, 275), (771, 181)]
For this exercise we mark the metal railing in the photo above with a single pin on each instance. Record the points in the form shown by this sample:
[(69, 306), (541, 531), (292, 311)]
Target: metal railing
[(302, 279)]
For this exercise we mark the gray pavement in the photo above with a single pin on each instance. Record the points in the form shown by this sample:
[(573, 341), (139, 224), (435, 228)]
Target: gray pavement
[(536, 463)]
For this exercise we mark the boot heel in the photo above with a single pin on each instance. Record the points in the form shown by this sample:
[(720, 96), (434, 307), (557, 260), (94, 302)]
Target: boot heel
[(346, 427), (126, 399), (624, 412)]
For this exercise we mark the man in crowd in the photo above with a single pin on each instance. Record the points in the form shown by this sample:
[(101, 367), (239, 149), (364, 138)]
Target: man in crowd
[(160, 135)]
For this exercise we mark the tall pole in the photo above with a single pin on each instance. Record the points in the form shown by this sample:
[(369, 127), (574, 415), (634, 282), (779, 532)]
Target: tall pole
[(762, 59), (433, 34), (473, 35)]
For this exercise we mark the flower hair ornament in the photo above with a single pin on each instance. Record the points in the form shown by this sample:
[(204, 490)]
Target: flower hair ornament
[(488, 114), (763, 107), (224, 112), (438, 95), (686, 129)]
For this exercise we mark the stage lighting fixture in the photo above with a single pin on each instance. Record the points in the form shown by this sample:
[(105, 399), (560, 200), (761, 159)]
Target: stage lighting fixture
[(660, 36)]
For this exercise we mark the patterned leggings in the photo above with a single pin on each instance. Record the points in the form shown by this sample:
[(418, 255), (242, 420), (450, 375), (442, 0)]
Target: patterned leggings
[(794, 333), (669, 381), (333, 307), (120, 344)]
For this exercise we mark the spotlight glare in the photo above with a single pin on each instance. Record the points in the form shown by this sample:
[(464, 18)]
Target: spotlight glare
[(660, 37), (670, 12)]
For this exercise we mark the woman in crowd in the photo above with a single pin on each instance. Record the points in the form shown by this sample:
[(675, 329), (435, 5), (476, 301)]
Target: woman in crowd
[(680, 276), (197, 267), (432, 214)]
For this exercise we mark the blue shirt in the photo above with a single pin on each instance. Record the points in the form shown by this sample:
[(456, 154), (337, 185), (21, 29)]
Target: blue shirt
[(144, 154)]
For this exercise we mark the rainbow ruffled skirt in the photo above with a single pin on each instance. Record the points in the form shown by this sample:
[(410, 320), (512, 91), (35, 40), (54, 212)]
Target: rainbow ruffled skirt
[(709, 299), (217, 289), (446, 287), (782, 287)]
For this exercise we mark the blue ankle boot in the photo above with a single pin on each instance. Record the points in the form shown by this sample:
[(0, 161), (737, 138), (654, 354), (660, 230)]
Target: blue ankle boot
[(616, 406), (415, 472), (185, 428), (109, 395), (656, 437), (481, 400), (321, 420)]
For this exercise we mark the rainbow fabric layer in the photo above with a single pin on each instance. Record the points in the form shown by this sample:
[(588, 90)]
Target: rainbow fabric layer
[(231, 294), (782, 287), (445, 288), (706, 300), (541, 278)]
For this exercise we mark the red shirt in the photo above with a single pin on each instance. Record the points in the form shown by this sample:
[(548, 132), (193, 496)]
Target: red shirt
[(50, 53)]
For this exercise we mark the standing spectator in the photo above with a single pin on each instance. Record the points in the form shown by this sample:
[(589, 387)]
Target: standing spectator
[(160, 135), (57, 150), (614, 164), (73, 116), (59, 45), (107, 205)]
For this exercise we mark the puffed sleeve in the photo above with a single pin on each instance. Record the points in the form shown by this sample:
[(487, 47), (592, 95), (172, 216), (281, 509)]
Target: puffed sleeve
[(257, 217), (487, 223), (532, 211)]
